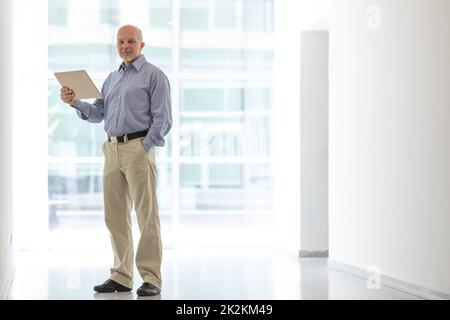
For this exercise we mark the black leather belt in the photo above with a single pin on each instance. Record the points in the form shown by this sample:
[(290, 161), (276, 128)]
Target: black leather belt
[(126, 137)]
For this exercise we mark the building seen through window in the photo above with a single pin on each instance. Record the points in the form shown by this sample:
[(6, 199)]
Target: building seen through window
[(215, 170)]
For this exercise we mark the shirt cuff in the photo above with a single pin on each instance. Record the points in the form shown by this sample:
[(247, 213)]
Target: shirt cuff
[(146, 146), (79, 113), (84, 108)]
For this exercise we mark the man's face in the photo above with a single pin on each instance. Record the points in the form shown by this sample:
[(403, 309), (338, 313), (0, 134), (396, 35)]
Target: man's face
[(128, 44)]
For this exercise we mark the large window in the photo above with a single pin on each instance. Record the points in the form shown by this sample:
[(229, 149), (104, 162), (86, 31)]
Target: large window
[(215, 182), (58, 12)]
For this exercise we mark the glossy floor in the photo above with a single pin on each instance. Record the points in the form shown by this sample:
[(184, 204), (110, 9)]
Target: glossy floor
[(259, 274)]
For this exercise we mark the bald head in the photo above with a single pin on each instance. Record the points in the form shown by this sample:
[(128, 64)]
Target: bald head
[(129, 43), (130, 28)]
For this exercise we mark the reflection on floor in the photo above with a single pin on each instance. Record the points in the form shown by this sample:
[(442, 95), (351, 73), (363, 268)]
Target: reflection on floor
[(259, 274)]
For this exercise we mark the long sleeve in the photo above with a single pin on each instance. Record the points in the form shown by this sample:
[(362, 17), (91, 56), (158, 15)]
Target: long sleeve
[(91, 112), (160, 110), (94, 112)]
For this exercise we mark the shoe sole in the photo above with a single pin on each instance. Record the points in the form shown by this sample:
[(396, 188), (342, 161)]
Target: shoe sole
[(112, 291), (144, 294)]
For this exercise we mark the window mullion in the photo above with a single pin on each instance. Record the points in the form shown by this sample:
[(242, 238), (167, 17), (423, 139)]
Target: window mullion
[(176, 38)]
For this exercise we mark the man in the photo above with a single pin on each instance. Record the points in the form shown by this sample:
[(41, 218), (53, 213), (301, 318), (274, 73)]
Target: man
[(136, 108)]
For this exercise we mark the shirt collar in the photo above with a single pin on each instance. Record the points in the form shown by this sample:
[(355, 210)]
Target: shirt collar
[(137, 64)]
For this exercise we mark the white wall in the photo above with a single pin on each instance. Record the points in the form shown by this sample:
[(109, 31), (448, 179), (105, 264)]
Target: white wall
[(314, 143), (389, 139), (6, 252)]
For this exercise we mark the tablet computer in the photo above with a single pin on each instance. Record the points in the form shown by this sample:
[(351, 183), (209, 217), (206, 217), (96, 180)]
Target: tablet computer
[(80, 82)]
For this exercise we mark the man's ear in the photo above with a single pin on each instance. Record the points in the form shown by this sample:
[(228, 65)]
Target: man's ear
[(142, 45)]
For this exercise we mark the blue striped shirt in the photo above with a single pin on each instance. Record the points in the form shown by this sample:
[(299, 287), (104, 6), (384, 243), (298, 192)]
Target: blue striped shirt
[(133, 99)]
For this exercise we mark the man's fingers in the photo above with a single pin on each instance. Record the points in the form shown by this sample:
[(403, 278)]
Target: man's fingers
[(67, 95), (66, 90), (67, 98)]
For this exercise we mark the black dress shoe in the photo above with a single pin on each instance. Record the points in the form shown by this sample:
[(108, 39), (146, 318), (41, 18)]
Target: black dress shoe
[(111, 286), (147, 289)]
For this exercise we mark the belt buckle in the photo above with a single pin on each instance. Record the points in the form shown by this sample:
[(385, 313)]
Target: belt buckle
[(113, 139)]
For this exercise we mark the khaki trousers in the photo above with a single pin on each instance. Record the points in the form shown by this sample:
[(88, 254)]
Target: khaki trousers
[(129, 177)]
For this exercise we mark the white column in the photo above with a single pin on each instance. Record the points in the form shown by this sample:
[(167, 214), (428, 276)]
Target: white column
[(30, 114), (6, 252), (291, 17), (314, 144)]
